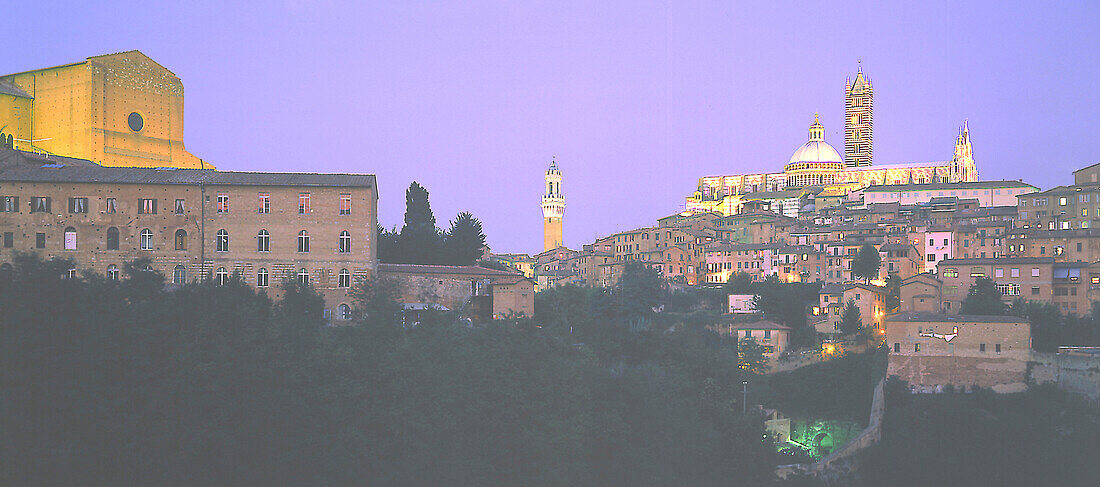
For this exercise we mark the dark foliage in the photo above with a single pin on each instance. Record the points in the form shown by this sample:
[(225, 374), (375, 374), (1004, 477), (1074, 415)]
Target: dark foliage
[(464, 241), (850, 321), (866, 263), (983, 298)]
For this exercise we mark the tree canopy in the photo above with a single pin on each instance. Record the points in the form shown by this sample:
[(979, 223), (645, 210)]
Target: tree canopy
[(464, 241), (983, 298), (866, 263), (420, 242), (850, 321)]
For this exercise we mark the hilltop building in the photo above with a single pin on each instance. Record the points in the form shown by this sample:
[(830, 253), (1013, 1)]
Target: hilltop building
[(121, 110), (818, 168)]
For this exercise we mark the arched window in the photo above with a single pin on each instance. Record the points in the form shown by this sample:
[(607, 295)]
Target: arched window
[(112, 272), (70, 238), (221, 277), (261, 278), (345, 242), (179, 274), (345, 278), (344, 312), (303, 241), (70, 274), (181, 239), (146, 239), (221, 241), (303, 276), (112, 238), (263, 241)]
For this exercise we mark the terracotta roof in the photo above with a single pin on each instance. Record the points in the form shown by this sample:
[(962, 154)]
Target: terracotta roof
[(921, 317), (760, 325), (464, 270)]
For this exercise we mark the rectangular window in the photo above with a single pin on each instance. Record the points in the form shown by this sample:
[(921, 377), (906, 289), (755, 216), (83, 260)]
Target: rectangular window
[(999, 273), (223, 203), (111, 206), (897, 347), (180, 209), (147, 206), (9, 240), (1035, 290), (78, 205), (265, 203), (950, 272), (9, 204), (767, 334), (997, 348), (345, 205), (977, 272), (916, 347), (1034, 272), (40, 240), (981, 347), (303, 203), (40, 204)]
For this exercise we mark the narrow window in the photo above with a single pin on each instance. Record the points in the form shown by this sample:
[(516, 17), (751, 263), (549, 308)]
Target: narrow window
[(345, 242), (111, 205), (981, 347), (9, 204), (179, 274), (40, 204), (221, 241), (146, 239), (263, 241), (897, 347), (112, 272), (265, 203), (997, 348), (223, 203), (345, 204), (303, 276), (40, 240), (112, 238), (345, 278), (9, 240), (303, 241), (180, 209), (147, 206), (303, 203), (181, 239), (261, 278), (70, 238), (221, 277), (916, 347)]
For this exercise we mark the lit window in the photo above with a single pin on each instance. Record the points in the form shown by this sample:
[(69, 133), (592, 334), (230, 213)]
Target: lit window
[(345, 204), (223, 203), (303, 203), (112, 272), (303, 276), (345, 278), (221, 277), (265, 203), (261, 278)]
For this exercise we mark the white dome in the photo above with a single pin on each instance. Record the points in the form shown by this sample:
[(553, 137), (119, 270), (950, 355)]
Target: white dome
[(816, 151)]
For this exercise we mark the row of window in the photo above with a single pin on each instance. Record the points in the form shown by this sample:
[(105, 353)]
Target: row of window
[(916, 347), (221, 240), (43, 204), (981, 272)]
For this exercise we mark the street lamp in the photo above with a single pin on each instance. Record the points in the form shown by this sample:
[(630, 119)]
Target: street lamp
[(744, 397)]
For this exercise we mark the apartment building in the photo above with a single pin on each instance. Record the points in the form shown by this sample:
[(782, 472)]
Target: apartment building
[(1029, 278)]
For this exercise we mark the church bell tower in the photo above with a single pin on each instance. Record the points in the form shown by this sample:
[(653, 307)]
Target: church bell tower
[(553, 208), (963, 166), (859, 122)]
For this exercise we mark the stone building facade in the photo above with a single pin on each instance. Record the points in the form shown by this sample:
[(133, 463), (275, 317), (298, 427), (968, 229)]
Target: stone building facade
[(193, 224)]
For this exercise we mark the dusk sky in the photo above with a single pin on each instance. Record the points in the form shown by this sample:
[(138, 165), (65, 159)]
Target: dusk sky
[(637, 99)]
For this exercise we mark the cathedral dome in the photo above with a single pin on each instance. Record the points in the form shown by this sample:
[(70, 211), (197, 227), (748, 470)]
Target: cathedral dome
[(816, 149)]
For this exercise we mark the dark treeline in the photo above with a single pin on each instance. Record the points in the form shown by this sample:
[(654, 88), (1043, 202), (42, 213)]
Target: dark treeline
[(130, 383), (420, 241), (1050, 327)]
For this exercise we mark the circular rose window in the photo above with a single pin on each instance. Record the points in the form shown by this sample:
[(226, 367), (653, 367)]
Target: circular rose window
[(135, 121)]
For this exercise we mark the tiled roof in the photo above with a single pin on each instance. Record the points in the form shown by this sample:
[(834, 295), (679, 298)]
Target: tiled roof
[(760, 325), (464, 270), (27, 167), (886, 188), (9, 88)]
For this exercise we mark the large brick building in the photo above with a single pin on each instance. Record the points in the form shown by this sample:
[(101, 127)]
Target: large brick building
[(192, 223)]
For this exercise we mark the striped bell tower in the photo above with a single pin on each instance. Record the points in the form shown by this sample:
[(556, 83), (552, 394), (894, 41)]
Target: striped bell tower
[(859, 122)]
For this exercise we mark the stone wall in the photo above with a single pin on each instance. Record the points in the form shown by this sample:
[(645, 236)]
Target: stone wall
[(1074, 373)]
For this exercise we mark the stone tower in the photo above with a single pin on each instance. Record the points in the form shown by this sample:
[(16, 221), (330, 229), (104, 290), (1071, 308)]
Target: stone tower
[(858, 120), (963, 167), (553, 208)]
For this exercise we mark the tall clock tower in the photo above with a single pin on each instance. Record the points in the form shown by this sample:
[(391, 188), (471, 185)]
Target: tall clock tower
[(553, 208)]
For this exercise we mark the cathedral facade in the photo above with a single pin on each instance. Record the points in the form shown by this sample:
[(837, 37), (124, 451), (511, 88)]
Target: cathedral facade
[(818, 164)]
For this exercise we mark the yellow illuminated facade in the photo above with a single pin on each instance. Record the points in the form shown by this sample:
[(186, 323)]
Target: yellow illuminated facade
[(121, 110), (553, 209)]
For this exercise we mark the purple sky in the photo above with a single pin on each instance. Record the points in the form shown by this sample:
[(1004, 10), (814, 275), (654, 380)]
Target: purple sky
[(637, 99)]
